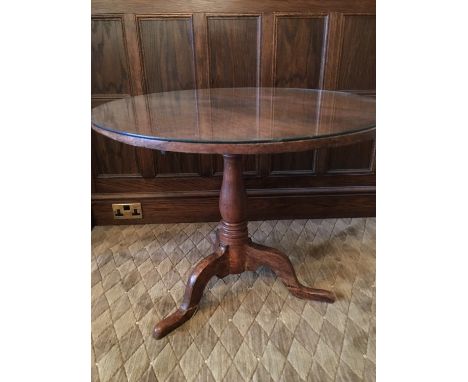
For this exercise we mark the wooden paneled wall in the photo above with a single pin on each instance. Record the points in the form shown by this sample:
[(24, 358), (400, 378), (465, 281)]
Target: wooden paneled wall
[(150, 46)]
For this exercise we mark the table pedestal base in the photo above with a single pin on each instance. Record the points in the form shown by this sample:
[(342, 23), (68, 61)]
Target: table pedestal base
[(235, 253)]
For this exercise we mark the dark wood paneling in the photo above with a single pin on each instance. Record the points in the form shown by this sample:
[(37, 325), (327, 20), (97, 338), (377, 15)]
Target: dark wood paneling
[(110, 157), (234, 51), (115, 158), (200, 27), (190, 208), (300, 43), (234, 57), (99, 100), (166, 162), (158, 45), (249, 164), (177, 164), (144, 156), (351, 67), (267, 50), (357, 72), (109, 66), (298, 162), (124, 185), (353, 157), (110, 80), (238, 6), (357, 64), (299, 63), (167, 50)]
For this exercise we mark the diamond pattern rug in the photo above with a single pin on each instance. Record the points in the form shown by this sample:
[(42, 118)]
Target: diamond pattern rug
[(248, 327)]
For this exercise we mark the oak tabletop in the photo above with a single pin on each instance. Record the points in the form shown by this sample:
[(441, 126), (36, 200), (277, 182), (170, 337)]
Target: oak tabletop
[(238, 120)]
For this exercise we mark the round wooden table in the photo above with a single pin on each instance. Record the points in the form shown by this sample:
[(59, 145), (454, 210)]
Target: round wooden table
[(232, 122)]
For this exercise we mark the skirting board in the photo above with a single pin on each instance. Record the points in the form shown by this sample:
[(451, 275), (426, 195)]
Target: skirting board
[(185, 207)]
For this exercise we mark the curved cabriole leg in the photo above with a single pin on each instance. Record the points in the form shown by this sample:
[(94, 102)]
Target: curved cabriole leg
[(215, 264), (278, 262), (235, 253)]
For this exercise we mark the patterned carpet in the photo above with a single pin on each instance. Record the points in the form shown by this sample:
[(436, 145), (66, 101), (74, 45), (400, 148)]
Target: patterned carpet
[(248, 327)]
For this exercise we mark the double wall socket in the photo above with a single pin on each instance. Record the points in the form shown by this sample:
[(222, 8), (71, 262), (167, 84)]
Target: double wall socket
[(127, 211)]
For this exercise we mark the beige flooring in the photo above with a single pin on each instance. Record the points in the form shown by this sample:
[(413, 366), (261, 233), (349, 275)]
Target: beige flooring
[(248, 326)]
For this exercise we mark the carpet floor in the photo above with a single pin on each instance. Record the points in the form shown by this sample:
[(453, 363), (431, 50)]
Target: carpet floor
[(248, 326)]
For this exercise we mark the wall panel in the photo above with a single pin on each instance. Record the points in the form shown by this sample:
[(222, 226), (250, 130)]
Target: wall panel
[(110, 80), (177, 164), (300, 43), (357, 64), (114, 158), (299, 63), (357, 157), (234, 51), (234, 57), (167, 52), (109, 66), (293, 163), (355, 72)]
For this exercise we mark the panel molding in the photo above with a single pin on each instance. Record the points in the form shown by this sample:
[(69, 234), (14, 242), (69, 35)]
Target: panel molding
[(107, 184), (334, 64), (263, 204), (369, 169), (305, 79), (161, 17), (202, 74), (259, 6), (233, 32), (278, 16), (235, 16), (335, 38), (142, 156), (184, 80), (118, 156), (341, 47), (119, 18)]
